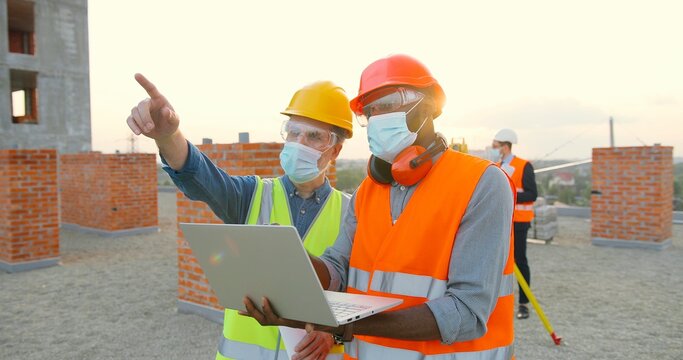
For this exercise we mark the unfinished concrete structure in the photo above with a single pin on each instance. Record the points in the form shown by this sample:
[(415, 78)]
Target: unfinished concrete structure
[(44, 76), (44, 110)]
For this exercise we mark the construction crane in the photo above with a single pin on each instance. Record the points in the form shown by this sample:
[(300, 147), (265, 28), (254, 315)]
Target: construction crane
[(461, 147)]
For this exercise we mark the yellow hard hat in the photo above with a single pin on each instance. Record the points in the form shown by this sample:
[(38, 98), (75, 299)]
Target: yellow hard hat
[(325, 102)]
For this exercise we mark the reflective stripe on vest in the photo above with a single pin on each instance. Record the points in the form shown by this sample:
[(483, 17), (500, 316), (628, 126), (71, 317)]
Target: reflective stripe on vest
[(524, 212), (410, 259), (411, 285), (524, 207), (360, 349), (228, 349), (243, 337)]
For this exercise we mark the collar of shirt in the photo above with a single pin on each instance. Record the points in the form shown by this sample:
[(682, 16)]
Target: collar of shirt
[(507, 159), (319, 194)]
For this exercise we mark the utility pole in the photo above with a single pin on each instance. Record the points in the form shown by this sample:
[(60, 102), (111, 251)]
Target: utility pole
[(611, 132), (132, 143)]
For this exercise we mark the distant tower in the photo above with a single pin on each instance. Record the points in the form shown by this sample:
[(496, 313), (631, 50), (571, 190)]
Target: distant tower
[(611, 132), (44, 75), (132, 139)]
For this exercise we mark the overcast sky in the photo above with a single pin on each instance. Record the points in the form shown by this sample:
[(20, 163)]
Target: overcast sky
[(553, 71)]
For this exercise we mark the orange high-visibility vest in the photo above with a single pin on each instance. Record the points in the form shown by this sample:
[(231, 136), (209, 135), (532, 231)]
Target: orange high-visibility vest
[(410, 260), (524, 211)]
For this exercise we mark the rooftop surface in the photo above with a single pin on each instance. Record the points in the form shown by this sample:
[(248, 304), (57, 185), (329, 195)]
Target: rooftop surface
[(115, 298)]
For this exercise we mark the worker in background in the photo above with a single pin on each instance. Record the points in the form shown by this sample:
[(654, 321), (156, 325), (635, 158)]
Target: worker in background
[(436, 233), (319, 120), (522, 174)]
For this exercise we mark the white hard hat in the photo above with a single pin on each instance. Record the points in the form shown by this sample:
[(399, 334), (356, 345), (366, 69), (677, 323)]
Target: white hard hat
[(506, 135)]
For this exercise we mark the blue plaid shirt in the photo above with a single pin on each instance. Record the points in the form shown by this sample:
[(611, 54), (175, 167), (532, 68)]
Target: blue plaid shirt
[(230, 196)]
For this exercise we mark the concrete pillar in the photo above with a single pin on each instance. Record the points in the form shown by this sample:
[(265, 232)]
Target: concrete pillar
[(632, 202), (29, 210), (263, 159), (109, 194)]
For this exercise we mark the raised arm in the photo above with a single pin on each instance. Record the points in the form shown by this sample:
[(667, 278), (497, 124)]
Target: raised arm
[(155, 118)]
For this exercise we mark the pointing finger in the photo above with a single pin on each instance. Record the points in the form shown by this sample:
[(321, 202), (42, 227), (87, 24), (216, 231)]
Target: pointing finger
[(148, 86)]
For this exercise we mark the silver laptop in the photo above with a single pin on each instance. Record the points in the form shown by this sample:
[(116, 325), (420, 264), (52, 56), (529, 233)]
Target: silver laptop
[(270, 261)]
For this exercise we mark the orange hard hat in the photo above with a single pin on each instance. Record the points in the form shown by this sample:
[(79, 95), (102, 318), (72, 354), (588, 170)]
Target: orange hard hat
[(397, 70)]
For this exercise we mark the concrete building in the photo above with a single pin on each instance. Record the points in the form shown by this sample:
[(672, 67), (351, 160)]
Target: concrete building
[(44, 76)]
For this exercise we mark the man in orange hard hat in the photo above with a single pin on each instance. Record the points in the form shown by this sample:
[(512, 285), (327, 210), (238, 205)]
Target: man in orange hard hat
[(522, 174), (319, 119), (429, 225)]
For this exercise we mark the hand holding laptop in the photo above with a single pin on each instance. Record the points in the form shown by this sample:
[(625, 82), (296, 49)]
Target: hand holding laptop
[(266, 261), (268, 317)]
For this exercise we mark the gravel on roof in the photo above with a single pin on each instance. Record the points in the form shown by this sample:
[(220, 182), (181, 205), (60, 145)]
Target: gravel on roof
[(115, 298)]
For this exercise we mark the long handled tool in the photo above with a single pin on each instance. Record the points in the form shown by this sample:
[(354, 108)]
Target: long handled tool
[(537, 307)]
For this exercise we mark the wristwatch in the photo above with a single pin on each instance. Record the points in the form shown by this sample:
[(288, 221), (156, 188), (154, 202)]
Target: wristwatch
[(345, 336)]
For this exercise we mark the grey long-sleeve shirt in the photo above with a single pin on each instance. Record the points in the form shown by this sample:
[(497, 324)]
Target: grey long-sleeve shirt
[(481, 250)]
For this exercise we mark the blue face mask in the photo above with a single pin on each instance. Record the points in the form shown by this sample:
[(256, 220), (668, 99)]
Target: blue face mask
[(493, 155), (388, 135), (300, 162)]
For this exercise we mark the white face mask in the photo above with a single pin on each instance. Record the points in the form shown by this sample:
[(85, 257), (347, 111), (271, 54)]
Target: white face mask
[(388, 135), (300, 162)]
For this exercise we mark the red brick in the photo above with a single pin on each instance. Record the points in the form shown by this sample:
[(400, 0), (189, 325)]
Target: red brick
[(637, 193), (28, 206), (94, 184)]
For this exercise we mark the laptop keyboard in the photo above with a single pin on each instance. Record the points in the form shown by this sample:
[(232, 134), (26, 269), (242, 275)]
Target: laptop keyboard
[(342, 310)]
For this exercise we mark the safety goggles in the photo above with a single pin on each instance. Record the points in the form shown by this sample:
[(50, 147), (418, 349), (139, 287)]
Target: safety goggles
[(307, 134), (387, 100)]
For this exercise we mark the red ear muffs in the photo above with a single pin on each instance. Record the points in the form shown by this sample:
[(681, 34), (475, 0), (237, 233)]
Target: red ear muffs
[(409, 167), (379, 171)]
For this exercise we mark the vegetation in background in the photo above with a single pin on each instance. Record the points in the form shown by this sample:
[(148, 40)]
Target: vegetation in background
[(578, 194), (350, 173)]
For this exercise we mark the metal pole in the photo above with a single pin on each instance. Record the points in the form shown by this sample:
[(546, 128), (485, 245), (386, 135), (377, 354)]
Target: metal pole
[(611, 132), (556, 167), (537, 306)]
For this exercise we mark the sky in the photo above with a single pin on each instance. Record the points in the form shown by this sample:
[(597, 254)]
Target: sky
[(552, 71)]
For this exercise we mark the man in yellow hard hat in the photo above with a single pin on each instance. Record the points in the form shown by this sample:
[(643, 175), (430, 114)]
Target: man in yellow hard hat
[(429, 225), (319, 119)]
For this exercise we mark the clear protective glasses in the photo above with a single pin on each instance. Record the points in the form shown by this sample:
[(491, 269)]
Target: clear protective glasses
[(308, 134), (387, 100)]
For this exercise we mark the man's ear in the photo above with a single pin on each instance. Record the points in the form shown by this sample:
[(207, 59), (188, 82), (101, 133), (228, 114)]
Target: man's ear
[(429, 108), (336, 149)]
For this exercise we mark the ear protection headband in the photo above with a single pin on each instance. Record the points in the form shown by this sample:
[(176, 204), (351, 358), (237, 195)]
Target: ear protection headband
[(410, 166)]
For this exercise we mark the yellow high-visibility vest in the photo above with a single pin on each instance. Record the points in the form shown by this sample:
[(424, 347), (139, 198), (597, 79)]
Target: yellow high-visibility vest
[(243, 337)]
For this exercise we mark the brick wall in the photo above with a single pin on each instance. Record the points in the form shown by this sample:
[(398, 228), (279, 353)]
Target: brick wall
[(262, 159), (29, 210), (109, 192), (636, 200)]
